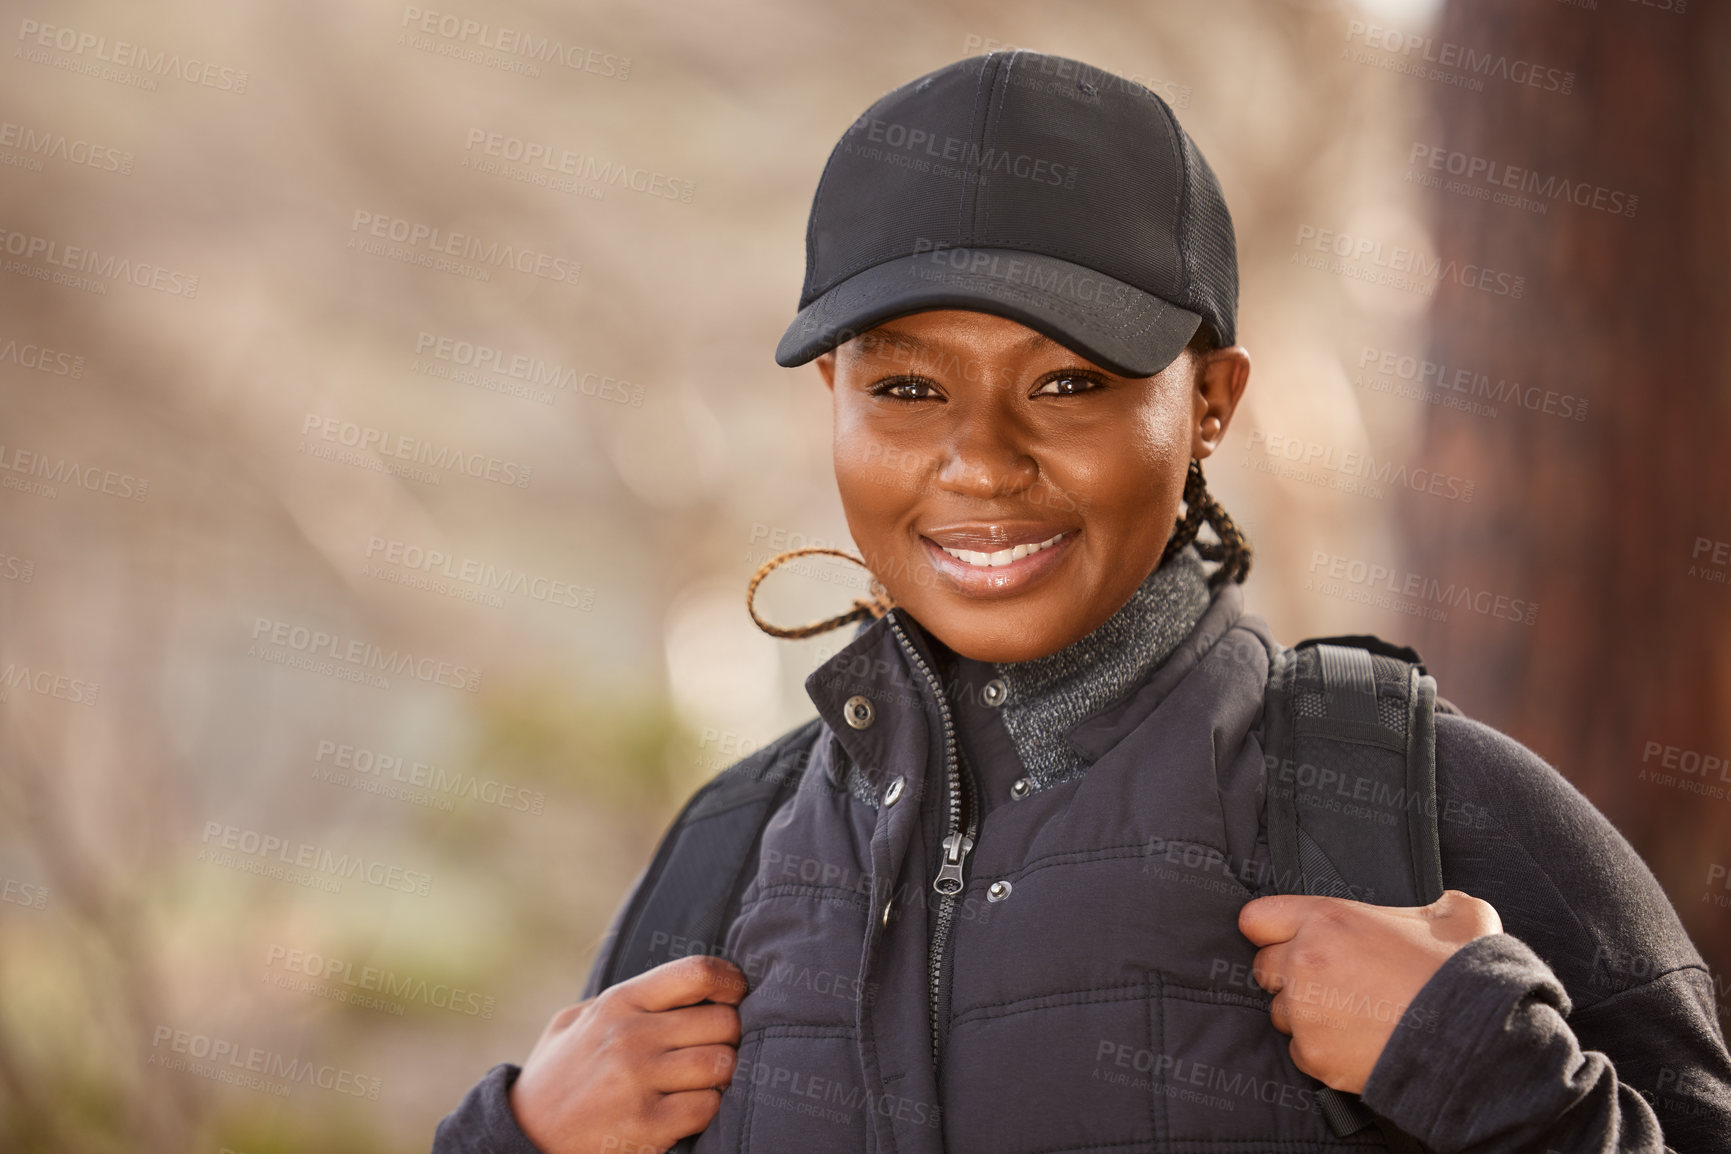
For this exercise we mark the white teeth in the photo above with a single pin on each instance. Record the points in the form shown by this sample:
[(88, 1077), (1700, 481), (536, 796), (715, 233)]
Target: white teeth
[(1001, 557)]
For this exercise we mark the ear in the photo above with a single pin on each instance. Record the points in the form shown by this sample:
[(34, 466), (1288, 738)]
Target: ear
[(1221, 377), (826, 365)]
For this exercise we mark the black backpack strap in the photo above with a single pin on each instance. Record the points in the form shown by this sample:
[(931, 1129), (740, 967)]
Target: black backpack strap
[(1349, 736), (690, 893)]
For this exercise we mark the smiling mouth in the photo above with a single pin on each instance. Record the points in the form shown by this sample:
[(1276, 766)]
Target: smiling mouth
[(1001, 557)]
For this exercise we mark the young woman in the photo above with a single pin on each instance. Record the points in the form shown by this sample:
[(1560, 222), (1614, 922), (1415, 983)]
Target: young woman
[(1020, 900)]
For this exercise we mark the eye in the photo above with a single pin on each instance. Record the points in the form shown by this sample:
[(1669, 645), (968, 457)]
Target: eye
[(1068, 383), (906, 389)]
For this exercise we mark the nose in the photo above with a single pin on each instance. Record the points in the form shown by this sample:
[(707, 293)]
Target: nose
[(986, 454)]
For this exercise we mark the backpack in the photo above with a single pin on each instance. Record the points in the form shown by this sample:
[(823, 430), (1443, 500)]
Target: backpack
[(1348, 716)]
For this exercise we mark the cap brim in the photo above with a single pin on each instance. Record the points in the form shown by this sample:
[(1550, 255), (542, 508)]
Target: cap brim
[(1113, 324)]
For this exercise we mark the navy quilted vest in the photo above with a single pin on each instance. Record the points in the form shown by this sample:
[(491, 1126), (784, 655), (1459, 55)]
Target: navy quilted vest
[(1094, 992)]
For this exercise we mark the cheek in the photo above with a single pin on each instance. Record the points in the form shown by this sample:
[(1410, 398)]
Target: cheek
[(1166, 441), (1162, 431), (859, 464), (1130, 467), (856, 448), (876, 478)]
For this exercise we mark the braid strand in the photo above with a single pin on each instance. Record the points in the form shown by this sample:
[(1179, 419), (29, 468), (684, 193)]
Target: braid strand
[(1232, 549)]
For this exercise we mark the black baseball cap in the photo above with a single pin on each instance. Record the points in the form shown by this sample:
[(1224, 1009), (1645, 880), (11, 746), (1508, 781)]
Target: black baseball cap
[(1035, 187)]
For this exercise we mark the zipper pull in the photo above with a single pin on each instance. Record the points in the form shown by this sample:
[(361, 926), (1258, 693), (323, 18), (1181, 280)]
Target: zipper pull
[(949, 880)]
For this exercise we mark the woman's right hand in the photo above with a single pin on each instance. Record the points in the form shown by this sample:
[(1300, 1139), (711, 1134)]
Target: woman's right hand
[(637, 1067)]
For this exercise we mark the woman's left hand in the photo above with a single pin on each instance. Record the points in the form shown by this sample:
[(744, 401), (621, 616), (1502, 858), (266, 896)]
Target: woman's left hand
[(1343, 973)]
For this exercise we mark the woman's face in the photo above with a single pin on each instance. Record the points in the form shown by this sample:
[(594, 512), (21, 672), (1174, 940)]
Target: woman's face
[(1009, 493)]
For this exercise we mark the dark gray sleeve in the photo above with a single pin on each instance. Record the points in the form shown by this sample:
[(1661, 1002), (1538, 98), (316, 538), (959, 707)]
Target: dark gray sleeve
[(1589, 1025), (1485, 1061), (483, 1123)]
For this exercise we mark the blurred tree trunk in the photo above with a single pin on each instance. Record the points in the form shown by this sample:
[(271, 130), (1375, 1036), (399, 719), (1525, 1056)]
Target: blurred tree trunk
[(1597, 520)]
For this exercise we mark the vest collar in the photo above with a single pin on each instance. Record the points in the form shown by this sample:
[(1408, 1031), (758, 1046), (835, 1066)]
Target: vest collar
[(875, 666)]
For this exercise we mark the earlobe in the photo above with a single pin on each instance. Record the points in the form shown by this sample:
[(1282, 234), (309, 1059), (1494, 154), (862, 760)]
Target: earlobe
[(1221, 380)]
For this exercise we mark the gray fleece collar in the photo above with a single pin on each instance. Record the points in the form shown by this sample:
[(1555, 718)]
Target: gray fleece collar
[(1048, 695)]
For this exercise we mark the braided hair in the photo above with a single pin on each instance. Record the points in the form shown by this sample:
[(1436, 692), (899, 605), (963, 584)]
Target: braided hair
[(1232, 547)]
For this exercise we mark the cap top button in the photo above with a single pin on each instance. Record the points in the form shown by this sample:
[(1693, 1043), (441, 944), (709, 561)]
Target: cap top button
[(858, 711)]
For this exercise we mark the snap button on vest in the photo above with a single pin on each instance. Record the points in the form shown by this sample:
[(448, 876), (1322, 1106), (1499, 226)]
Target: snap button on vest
[(1021, 788), (994, 691), (894, 792), (859, 711), (998, 891)]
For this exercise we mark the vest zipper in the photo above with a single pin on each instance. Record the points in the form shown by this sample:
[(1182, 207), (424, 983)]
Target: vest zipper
[(957, 844)]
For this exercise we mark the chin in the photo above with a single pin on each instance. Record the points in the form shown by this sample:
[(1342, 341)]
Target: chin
[(997, 633), (1006, 650)]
